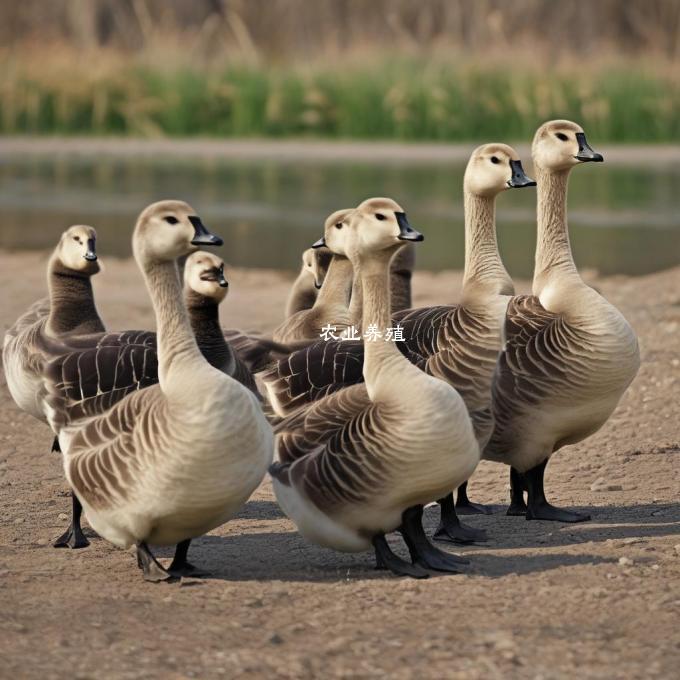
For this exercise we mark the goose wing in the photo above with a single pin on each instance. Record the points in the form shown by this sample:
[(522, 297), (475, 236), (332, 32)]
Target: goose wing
[(255, 351), (325, 450)]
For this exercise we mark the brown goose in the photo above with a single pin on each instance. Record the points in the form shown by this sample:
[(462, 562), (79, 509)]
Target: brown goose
[(331, 304), (457, 343), (175, 460), (363, 461), (569, 354), (69, 309)]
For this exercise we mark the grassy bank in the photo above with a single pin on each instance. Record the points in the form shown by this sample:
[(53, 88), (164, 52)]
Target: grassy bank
[(378, 97)]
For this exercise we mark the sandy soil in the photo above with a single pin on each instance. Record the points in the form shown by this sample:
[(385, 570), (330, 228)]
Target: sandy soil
[(541, 600)]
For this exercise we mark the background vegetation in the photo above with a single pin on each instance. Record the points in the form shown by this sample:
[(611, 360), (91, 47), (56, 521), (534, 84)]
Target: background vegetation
[(430, 70)]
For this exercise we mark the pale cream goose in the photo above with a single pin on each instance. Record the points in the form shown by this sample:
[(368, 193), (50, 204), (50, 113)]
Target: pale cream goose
[(177, 459), (69, 309), (303, 293), (362, 462), (457, 343), (569, 354), (331, 306)]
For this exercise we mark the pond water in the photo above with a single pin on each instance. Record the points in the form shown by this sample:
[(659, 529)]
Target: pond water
[(623, 219)]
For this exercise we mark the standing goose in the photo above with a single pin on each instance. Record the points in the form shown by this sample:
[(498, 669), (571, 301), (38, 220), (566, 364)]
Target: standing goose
[(69, 309), (331, 305), (363, 461), (457, 343), (303, 293), (175, 460), (569, 354)]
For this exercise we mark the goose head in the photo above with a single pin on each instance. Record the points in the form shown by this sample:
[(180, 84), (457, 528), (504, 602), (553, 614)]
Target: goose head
[(323, 255), (493, 168), (315, 262), (169, 229), (560, 145), (77, 249), (377, 224), (204, 274)]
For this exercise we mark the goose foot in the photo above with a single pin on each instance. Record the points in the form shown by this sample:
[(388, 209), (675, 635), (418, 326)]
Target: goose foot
[(180, 566), (386, 559), (74, 538), (452, 530), (538, 506), (153, 570), (422, 551), (464, 506), (551, 513), (518, 507)]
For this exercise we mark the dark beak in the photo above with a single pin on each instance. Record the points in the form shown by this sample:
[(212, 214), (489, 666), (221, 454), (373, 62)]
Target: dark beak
[(91, 254), (406, 231), (519, 178), (220, 278), (202, 237), (317, 285), (585, 153), (320, 243)]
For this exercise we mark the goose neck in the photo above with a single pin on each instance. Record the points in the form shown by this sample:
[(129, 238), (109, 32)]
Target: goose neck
[(204, 316), (335, 290), (484, 269), (72, 306), (177, 348), (554, 262)]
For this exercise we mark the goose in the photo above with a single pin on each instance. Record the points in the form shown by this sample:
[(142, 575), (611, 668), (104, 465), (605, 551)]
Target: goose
[(457, 343), (170, 462), (69, 309), (363, 461), (401, 272), (569, 355), (332, 303), (315, 262)]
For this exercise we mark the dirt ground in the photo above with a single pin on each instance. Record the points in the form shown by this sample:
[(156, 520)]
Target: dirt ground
[(541, 600)]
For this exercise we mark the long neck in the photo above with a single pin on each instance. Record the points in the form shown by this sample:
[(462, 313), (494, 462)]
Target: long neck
[(177, 348), (484, 270), (72, 306), (356, 302), (204, 316), (375, 284), (302, 295), (554, 260), (336, 286)]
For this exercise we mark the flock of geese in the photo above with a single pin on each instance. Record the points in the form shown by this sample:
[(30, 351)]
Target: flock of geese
[(165, 435)]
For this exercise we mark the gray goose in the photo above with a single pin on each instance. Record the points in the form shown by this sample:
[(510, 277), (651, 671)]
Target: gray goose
[(305, 288), (177, 459), (362, 462), (457, 343), (68, 310), (569, 354)]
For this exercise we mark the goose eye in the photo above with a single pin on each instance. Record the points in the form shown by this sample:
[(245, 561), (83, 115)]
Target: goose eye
[(171, 220), (338, 225), (76, 239), (380, 216), (561, 136), (494, 160)]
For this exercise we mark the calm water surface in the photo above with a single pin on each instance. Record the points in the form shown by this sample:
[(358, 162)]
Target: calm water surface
[(622, 219)]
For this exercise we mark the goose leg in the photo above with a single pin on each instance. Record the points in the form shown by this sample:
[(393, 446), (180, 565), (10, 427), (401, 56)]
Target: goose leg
[(152, 568), (180, 566), (464, 506), (538, 506), (422, 551), (518, 508), (451, 529), (386, 559), (74, 537)]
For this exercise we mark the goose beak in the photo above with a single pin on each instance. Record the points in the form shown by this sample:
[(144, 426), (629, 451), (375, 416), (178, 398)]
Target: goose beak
[(519, 178), (317, 285), (91, 254), (406, 231), (321, 243), (585, 153), (202, 237), (220, 278)]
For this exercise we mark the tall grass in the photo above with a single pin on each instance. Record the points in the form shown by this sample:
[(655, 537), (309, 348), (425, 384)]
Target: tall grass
[(379, 96)]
